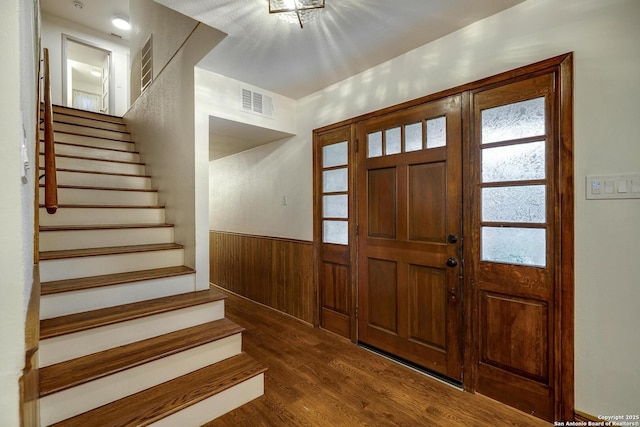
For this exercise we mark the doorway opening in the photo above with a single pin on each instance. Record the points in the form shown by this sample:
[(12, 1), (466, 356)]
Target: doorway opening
[(86, 76)]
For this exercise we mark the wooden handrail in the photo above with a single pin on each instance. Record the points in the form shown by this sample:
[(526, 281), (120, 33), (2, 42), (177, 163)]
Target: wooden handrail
[(50, 179)]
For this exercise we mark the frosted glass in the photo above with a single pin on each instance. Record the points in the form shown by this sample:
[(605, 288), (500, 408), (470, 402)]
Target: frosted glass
[(335, 206), (336, 232), (514, 204), (392, 141), (335, 180), (513, 121), (374, 144), (413, 137), (523, 246), (514, 162), (334, 155), (437, 132)]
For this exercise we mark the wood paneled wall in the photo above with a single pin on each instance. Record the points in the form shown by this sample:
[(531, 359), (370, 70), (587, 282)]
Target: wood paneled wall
[(272, 271)]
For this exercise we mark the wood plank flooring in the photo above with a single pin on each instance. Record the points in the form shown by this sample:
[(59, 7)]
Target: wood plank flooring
[(316, 378)]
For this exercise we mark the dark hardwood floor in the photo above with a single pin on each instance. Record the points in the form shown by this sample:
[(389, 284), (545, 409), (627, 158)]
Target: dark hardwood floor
[(316, 378)]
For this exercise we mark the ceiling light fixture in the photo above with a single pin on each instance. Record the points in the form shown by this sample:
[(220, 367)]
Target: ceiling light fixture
[(78, 4), (296, 11), (120, 22)]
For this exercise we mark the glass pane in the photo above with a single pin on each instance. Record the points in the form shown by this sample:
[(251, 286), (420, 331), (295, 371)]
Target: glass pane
[(413, 137), (335, 180), (374, 144), (335, 206), (513, 121), (437, 132), (335, 232), (514, 204), (392, 141), (524, 246), (514, 162), (334, 155)]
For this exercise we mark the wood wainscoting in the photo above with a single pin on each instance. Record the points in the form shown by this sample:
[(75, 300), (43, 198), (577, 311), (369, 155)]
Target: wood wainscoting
[(273, 271), (30, 381)]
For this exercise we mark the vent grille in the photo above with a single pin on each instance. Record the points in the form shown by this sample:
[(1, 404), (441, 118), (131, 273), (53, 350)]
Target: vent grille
[(257, 103)]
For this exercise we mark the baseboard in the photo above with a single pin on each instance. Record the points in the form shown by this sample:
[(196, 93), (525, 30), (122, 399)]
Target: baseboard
[(585, 418), (29, 381)]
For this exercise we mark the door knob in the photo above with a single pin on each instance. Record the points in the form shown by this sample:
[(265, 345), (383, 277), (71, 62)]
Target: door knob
[(452, 262), (452, 238)]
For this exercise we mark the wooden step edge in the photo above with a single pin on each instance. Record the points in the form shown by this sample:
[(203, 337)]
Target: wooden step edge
[(85, 283), (108, 120), (96, 125), (71, 323), (111, 250), (45, 228), (72, 373), (84, 187), (133, 175), (79, 125), (91, 136), (82, 112), (155, 403), (93, 147), (94, 159), (108, 207)]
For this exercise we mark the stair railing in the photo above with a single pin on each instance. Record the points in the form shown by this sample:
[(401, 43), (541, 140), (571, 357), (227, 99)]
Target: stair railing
[(50, 179)]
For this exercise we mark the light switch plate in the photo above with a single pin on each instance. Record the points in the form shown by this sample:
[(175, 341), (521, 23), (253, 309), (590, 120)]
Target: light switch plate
[(623, 186)]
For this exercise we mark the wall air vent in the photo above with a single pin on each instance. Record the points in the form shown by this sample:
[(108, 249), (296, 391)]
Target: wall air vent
[(257, 103)]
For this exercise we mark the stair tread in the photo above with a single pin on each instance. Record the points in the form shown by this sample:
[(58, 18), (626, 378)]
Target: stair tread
[(97, 124), (71, 373), (110, 250), (93, 147), (44, 228), (77, 284), (95, 159), (84, 113), (109, 206), (84, 135), (77, 322), (157, 402), (80, 125), (99, 173), (86, 187)]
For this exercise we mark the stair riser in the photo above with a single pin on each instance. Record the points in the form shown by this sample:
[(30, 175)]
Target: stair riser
[(81, 130), (61, 304), (104, 181), (85, 151), (97, 165), (83, 121), (91, 142), (84, 113), (77, 196), (84, 239), (74, 401), (215, 406), (71, 346), (69, 268), (106, 216)]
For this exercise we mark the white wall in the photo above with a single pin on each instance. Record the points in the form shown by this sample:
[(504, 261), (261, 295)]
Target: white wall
[(17, 118), (54, 27), (604, 36)]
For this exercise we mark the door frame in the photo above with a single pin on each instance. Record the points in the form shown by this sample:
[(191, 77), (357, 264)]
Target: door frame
[(562, 65), (112, 85)]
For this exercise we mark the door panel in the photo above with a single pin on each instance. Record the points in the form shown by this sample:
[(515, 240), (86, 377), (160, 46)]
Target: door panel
[(409, 201)]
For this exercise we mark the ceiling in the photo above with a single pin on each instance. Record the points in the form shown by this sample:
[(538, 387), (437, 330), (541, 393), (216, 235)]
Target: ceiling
[(229, 137), (95, 14), (350, 36)]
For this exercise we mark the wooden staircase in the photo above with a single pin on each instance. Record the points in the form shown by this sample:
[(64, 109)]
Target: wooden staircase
[(125, 340)]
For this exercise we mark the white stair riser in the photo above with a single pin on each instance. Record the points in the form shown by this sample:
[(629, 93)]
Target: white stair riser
[(69, 268), (101, 180), (85, 131), (74, 401), (103, 238), (55, 305), (59, 109), (98, 153), (70, 346), (215, 406), (83, 121), (92, 141), (97, 165), (81, 196), (106, 216)]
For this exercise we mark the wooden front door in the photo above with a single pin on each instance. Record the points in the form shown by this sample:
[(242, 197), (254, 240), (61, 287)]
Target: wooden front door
[(409, 235)]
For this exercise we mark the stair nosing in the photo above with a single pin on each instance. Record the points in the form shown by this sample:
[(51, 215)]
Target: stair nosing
[(109, 250), (78, 322), (134, 175), (128, 356), (93, 147), (85, 126), (159, 402), (63, 107), (108, 206), (46, 228), (63, 122), (92, 136), (95, 159), (106, 280), (86, 187)]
